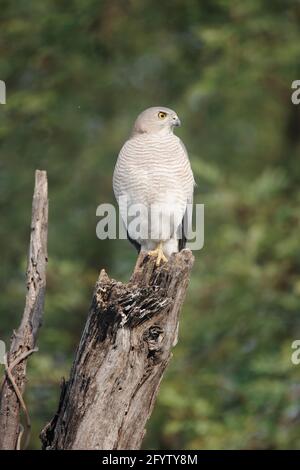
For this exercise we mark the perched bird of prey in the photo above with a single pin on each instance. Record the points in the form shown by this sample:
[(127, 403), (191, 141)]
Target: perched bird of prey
[(153, 173)]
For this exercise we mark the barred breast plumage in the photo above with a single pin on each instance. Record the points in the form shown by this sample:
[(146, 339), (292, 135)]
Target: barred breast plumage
[(153, 170)]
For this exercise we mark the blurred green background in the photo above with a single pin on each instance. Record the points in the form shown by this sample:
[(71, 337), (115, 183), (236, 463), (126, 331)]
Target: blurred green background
[(77, 73)]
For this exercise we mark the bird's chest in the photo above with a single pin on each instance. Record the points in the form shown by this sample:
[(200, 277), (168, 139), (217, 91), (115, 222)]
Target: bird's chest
[(153, 174), (150, 181)]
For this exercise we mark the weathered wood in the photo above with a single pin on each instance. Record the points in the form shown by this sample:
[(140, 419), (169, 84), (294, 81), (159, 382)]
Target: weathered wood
[(24, 340), (124, 350)]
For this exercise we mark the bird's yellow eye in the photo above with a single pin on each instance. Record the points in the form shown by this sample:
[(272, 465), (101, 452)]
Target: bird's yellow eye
[(162, 115)]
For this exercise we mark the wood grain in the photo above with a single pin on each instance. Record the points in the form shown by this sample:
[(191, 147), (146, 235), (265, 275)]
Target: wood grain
[(124, 350)]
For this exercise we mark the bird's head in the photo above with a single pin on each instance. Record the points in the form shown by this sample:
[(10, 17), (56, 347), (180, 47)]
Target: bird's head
[(156, 120)]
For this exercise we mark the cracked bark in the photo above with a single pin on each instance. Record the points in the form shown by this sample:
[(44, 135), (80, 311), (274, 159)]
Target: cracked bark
[(25, 338), (124, 350)]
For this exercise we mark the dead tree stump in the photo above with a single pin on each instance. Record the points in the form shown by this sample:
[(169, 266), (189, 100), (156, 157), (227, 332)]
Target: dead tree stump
[(24, 339), (125, 348)]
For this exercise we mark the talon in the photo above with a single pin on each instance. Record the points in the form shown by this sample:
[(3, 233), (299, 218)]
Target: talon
[(159, 254)]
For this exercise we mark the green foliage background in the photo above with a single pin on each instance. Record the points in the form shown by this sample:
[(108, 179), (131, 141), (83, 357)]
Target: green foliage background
[(77, 74)]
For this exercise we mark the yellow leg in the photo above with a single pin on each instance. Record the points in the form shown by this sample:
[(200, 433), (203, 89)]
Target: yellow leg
[(159, 254)]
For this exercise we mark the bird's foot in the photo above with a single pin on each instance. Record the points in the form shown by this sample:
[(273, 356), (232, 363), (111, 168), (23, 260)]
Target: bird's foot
[(159, 254)]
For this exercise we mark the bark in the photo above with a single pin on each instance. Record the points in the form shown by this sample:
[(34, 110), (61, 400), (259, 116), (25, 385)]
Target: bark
[(24, 340), (124, 350)]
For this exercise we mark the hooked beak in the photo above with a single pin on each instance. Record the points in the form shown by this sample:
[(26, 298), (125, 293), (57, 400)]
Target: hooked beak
[(176, 121)]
